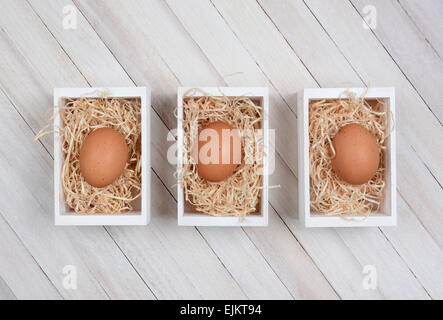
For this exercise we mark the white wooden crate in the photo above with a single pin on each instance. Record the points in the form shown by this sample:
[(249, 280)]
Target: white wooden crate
[(388, 213), (187, 216), (141, 214)]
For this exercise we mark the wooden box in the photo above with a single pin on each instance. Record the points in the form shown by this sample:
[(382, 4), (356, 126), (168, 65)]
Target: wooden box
[(388, 213), (141, 215), (187, 216)]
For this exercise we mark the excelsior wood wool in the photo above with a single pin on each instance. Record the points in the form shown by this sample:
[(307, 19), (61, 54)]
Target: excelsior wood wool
[(222, 43)]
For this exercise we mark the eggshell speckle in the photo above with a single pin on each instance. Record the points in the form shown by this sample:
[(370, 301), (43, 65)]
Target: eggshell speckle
[(103, 157), (208, 166), (357, 154)]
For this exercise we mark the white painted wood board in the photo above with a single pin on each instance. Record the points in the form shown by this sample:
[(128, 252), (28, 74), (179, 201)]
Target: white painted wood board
[(284, 45)]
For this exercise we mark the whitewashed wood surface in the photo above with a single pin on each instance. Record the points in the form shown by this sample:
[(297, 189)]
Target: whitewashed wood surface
[(282, 44)]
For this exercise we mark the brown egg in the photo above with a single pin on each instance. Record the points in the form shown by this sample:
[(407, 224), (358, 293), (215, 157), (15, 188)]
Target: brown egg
[(357, 154), (218, 137), (103, 157)]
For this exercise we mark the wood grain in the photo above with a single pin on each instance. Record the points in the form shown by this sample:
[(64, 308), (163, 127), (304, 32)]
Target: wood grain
[(412, 172), (285, 45), (294, 21), (190, 72), (217, 270), (378, 69), (427, 15), (20, 275), (274, 63), (5, 292), (28, 210), (408, 47), (160, 144)]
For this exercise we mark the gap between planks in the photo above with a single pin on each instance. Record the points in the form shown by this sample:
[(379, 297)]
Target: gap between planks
[(2, 217), (401, 3), (174, 196), (77, 68), (51, 156), (358, 75), (317, 81), (160, 118), (397, 64)]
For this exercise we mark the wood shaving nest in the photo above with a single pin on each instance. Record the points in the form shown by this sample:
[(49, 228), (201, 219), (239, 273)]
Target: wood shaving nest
[(80, 116), (328, 194), (238, 195)]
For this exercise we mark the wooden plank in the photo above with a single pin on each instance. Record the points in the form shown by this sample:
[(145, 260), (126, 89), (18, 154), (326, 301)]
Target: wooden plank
[(5, 292), (175, 262), (427, 16), (169, 181), (290, 261), (295, 21), (292, 19), (283, 14), (30, 168), (26, 205), (238, 253), (163, 19), (217, 270), (272, 254), (414, 245), (20, 275), (378, 68), (253, 30), (151, 27), (224, 285), (241, 257), (158, 141), (281, 115), (98, 64), (408, 47), (412, 171)]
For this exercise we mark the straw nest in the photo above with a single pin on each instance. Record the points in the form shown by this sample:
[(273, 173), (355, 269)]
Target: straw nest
[(239, 194), (328, 194), (81, 116)]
